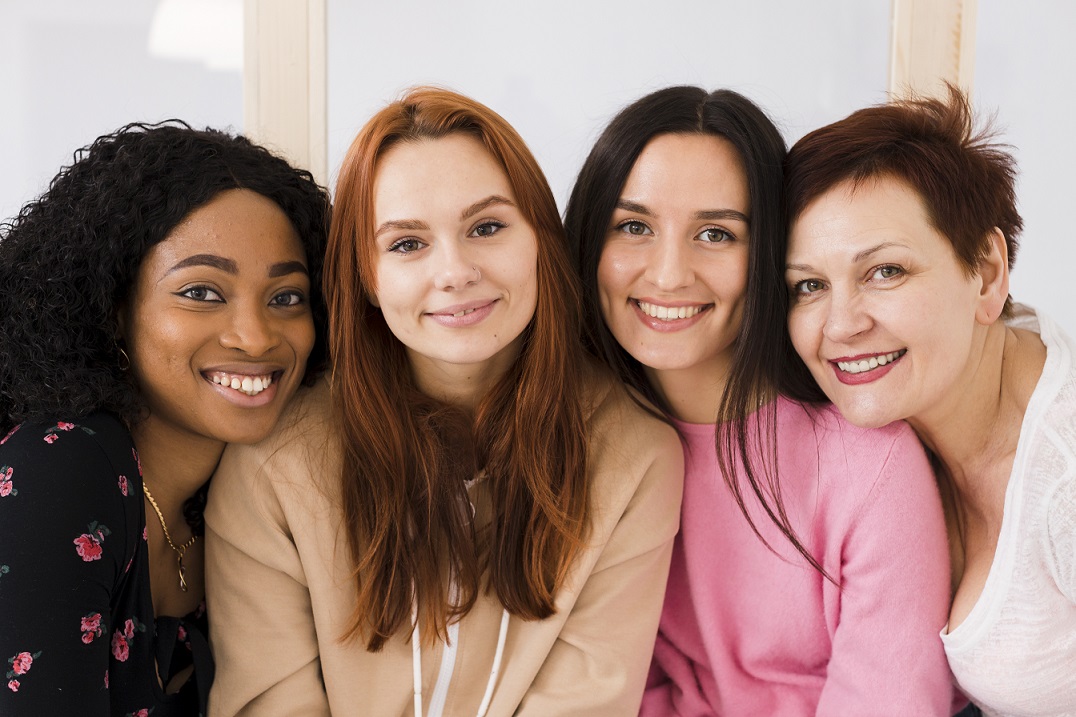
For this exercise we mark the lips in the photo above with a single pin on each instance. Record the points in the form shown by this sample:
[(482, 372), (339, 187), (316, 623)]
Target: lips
[(460, 316)]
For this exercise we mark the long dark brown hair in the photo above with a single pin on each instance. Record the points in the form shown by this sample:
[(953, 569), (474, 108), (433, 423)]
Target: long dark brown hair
[(757, 353), (407, 457)]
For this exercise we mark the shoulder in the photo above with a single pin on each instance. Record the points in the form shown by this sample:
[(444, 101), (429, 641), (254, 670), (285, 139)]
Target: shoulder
[(616, 419), (91, 446), (299, 457), (837, 439), (629, 451)]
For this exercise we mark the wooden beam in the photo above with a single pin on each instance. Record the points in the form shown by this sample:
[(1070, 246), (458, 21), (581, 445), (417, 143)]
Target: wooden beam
[(931, 42), (284, 80)]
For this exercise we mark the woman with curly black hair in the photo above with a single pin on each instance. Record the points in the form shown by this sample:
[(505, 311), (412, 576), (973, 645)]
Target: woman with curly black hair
[(159, 301)]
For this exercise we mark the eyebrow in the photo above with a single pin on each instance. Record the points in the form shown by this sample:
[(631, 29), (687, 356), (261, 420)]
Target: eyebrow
[(212, 260), (706, 214), (405, 224), (487, 202), (279, 269)]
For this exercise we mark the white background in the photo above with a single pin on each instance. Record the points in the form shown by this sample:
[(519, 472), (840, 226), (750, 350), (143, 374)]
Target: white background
[(557, 70)]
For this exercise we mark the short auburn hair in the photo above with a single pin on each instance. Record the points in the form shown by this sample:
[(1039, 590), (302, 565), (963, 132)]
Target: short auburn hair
[(965, 179)]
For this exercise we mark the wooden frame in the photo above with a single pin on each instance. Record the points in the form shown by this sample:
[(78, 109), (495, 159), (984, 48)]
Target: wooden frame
[(284, 80), (931, 42)]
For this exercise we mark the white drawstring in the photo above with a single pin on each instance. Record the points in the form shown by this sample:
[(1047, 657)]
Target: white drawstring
[(416, 659), (502, 635), (416, 663)]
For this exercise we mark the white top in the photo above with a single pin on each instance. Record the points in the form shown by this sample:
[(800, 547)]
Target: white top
[(1015, 654)]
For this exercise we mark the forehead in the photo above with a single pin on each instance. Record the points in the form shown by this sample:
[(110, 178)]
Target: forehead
[(420, 177), (238, 224), (863, 209), (696, 170)]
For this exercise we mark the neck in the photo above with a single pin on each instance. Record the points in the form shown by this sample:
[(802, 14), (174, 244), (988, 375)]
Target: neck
[(174, 466), (976, 425), (692, 394)]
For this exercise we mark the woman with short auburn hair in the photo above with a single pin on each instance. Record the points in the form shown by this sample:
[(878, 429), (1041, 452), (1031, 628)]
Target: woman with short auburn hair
[(468, 517), (904, 228)]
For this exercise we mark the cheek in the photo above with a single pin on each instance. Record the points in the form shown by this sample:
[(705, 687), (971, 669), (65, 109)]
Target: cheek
[(804, 333), (613, 276)]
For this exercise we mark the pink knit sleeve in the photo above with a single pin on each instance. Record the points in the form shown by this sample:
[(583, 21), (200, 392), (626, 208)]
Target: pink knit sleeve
[(887, 656)]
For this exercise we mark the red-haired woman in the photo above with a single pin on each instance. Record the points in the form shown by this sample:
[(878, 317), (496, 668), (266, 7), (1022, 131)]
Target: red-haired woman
[(466, 518), (904, 228)]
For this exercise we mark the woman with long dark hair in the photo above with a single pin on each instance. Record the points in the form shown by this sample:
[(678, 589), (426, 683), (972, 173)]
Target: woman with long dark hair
[(159, 301), (805, 578), (467, 517)]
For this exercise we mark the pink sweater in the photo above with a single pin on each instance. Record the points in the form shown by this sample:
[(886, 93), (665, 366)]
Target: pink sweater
[(745, 632)]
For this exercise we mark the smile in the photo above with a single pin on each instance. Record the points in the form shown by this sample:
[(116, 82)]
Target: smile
[(248, 384), (869, 364), (670, 313)]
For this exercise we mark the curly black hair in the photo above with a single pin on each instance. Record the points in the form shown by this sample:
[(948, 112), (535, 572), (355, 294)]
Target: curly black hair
[(70, 258)]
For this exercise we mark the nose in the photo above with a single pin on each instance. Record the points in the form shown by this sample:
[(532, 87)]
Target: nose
[(847, 316), (456, 268), (251, 330), (669, 266)]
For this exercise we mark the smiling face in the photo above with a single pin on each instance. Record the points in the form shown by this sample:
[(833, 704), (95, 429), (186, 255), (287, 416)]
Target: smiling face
[(218, 327), (455, 259), (883, 314), (673, 271)]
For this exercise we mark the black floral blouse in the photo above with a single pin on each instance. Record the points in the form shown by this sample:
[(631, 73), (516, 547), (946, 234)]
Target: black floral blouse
[(77, 630)]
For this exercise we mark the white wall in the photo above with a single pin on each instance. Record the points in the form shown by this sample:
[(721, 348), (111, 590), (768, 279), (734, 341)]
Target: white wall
[(1025, 70), (71, 70)]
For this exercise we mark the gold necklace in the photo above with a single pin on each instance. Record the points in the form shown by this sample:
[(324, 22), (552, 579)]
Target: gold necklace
[(181, 550)]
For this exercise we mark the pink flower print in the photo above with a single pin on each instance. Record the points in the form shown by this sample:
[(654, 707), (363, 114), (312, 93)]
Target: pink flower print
[(88, 547), (50, 438), (64, 426), (123, 485), (129, 629), (181, 633), (10, 434), (145, 533), (106, 679), (91, 627), (140, 713), (120, 649), (7, 486), (21, 663), (137, 460)]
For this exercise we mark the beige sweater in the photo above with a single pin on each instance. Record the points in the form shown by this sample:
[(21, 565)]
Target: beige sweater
[(280, 592)]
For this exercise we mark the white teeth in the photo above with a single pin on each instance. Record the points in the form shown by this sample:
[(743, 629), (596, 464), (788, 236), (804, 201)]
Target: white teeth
[(250, 385), (869, 364), (668, 313), (464, 312)]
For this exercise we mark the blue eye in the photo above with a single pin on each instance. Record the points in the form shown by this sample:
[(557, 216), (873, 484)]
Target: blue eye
[(201, 293), (715, 235), (407, 245)]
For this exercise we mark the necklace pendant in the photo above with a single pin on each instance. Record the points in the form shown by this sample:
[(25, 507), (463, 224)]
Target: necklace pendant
[(182, 575)]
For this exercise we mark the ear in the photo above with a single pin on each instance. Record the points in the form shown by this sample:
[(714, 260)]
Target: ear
[(993, 271), (121, 322)]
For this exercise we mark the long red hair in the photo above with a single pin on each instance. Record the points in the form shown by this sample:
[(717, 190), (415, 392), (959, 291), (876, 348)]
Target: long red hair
[(407, 457)]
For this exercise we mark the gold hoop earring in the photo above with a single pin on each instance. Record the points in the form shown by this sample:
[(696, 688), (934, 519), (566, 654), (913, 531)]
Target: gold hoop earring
[(124, 360)]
